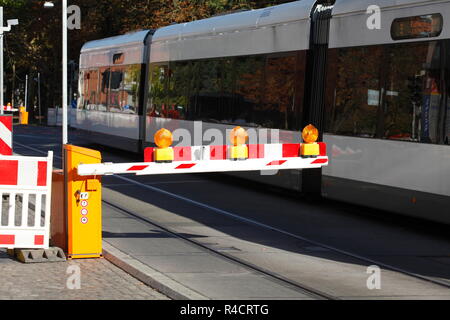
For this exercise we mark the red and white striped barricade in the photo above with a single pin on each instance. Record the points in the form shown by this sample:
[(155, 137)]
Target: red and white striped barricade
[(201, 159), (6, 127), (10, 108), (25, 189)]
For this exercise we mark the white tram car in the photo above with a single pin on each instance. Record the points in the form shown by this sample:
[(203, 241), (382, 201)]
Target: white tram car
[(374, 79)]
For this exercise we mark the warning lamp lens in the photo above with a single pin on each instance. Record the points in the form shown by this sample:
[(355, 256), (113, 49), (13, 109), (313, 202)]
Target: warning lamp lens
[(163, 138), (310, 134), (238, 136)]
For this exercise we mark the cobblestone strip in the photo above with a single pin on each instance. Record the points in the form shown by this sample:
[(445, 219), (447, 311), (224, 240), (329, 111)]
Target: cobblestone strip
[(99, 279)]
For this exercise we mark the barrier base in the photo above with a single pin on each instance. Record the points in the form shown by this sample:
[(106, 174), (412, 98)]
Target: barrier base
[(85, 256), (53, 254)]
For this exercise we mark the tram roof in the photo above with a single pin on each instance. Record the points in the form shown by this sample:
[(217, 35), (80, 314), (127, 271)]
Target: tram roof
[(292, 11), (129, 39), (100, 53), (284, 27)]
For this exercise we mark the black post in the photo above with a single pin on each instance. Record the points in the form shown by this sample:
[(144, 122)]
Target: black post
[(39, 96)]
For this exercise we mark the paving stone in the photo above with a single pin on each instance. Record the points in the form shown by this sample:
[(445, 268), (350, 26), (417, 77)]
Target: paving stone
[(99, 280)]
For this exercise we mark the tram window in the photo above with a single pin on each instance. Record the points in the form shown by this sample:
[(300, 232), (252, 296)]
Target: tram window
[(213, 98), (413, 94), (447, 125), (208, 91), (446, 104), (118, 58), (249, 78), (159, 75), (228, 79), (180, 89), (102, 103), (81, 91), (277, 108), (88, 89), (130, 89), (353, 91), (115, 90), (398, 99), (251, 91)]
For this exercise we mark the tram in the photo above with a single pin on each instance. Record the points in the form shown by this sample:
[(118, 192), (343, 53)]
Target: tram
[(372, 75)]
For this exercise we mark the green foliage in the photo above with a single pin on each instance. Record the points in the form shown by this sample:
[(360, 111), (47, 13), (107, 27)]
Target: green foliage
[(13, 3)]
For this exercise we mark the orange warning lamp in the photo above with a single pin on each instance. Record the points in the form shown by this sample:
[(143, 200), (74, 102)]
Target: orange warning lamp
[(163, 138), (238, 136), (310, 148), (239, 150), (310, 134), (164, 153)]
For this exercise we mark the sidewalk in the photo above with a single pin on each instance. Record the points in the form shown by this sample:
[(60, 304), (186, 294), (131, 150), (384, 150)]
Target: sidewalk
[(99, 280)]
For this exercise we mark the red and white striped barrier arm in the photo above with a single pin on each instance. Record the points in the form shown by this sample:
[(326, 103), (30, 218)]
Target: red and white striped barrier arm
[(25, 183), (214, 159), (6, 126)]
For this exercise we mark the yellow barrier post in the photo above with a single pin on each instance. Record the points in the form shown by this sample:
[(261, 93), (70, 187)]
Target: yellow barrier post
[(77, 229), (23, 116), (84, 205)]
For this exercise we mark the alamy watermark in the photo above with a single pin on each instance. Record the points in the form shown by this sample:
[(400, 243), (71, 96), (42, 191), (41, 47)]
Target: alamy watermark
[(374, 280), (213, 136), (74, 17), (74, 279), (374, 19)]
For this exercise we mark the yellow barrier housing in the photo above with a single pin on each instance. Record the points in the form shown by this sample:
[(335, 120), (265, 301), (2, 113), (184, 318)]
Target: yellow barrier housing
[(23, 116), (84, 206), (239, 152), (238, 138), (164, 155), (77, 206), (310, 150)]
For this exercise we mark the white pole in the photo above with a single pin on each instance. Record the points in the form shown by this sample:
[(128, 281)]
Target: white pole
[(2, 33), (1, 60), (13, 96), (64, 79)]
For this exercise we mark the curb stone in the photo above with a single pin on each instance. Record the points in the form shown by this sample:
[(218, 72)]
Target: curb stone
[(149, 276)]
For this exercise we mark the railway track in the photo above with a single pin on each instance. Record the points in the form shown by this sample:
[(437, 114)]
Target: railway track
[(311, 292)]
